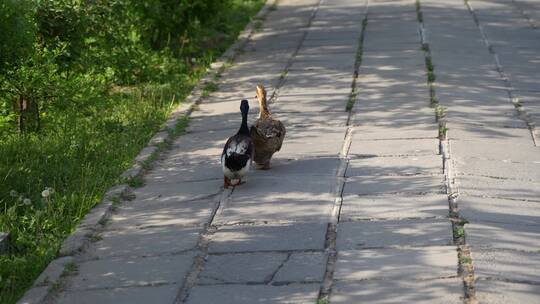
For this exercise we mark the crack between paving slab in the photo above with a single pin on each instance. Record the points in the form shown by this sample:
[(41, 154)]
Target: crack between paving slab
[(306, 220), (528, 282), (151, 284), (202, 246), (402, 193), (285, 73), (150, 255), (499, 177), (500, 197), (377, 279), (363, 156), (270, 279), (382, 219), (331, 232), (465, 268), (254, 283), (522, 113), (285, 251), (508, 249)]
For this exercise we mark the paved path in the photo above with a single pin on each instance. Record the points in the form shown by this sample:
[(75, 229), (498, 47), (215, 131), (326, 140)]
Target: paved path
[(361, 206)]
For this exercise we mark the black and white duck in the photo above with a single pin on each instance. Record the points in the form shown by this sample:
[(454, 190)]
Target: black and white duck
[(238, 152)]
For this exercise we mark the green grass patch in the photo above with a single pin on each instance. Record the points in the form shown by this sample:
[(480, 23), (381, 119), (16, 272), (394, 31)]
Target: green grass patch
[(459, 232), (50, 179), (465, 260)]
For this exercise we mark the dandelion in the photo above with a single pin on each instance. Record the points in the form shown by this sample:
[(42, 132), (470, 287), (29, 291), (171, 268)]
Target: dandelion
[(45, 193), (27, 201), (13, 193)]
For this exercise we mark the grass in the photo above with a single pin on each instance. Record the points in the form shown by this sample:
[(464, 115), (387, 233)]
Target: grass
[(80, 156), (459, 232), (465, 260)]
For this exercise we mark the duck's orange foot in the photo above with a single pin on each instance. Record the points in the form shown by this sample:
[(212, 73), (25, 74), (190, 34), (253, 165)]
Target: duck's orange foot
[(226, 182)]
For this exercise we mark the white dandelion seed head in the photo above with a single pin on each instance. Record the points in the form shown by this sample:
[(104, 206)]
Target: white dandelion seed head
[(27, 201), (13, 193), (46, 193)]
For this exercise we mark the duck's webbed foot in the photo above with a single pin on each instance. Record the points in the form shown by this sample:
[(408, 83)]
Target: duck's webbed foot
[(226, 182)]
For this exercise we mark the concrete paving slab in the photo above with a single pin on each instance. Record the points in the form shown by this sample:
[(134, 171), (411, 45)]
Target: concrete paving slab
[(393, 147), (501, 235), (133, 215), (176, 170), (507, 264), (312, 102), (483, 209), (298, 236), (324, 66), (303, 267), (177, 192), (489, 133), (356, 207), (280, 198), (308, 119), (145, 242), (410, 264), (399, 185), (500, 188), (443, 291), (402, 130), (499, 292), (370, 234), (248, 294), (526, 170), (313, 142), (125, 272), (391, 166), (132, 295), (301, 167), (245, 268), (494, 150), (345, 48)]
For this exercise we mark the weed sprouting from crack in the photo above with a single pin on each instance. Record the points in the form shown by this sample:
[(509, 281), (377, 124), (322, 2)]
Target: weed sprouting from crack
[(440, 112), (135, 181)]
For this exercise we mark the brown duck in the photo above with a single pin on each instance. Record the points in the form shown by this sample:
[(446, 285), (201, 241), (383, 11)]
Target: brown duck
[(267, 133)]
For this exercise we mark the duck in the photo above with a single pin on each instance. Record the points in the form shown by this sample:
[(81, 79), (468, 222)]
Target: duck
[(267, 132), (237, 155)]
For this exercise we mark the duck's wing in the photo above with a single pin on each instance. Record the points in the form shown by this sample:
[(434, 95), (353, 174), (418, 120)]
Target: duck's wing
[(238, 152)]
